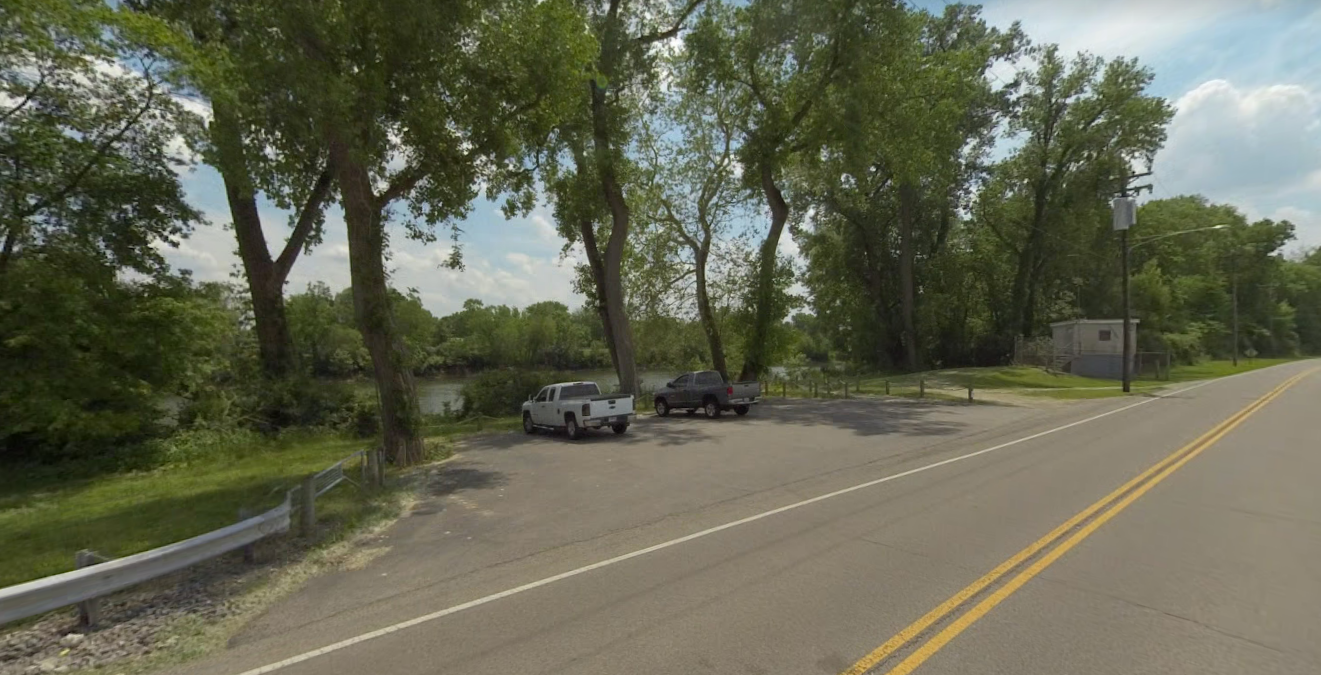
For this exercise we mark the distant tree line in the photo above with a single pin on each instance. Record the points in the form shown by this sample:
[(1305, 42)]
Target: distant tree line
[(682, 145)]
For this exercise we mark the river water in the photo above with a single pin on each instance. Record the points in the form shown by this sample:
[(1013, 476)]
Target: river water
[(434, 392)]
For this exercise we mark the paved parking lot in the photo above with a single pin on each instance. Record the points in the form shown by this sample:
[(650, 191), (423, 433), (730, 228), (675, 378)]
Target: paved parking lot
[(510, 505), (811, 535)]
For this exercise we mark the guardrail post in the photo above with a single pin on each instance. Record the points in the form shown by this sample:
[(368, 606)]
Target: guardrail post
[(921, 387), (89, 611), (374, 473), (970, 392), (307, 505), (249, 551), (887, 387)]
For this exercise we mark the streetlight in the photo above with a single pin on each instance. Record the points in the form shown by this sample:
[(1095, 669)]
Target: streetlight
[(1124, 211), (1144, 240)]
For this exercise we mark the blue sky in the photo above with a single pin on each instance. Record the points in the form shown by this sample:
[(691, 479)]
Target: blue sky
[(1244, 75)]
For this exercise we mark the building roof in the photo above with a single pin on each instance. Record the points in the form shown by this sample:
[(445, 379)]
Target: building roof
[(1084, 321)]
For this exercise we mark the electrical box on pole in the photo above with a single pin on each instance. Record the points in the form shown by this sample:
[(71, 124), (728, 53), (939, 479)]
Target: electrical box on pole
[(1125, 212)]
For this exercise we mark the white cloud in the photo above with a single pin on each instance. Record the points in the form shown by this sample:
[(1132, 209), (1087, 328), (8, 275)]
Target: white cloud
[(1307, 224), (522, 261), (545, 230), (1116, 28), (538, 226), (202, 260), (1261, 141), (1258, 148), (408, 258)]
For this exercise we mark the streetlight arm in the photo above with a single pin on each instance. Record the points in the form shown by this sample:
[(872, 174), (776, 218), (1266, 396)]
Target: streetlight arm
[(1139, 242)]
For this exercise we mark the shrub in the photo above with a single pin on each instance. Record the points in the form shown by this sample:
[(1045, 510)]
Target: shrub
[(1185, 348), (500, 393), (269, 406), (360, 416)]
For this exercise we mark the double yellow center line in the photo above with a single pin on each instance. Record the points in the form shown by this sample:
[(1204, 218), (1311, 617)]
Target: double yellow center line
[(1081, 526)]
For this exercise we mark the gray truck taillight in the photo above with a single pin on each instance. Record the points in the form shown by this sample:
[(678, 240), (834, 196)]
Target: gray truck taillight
[(729, 391), (587, 409)]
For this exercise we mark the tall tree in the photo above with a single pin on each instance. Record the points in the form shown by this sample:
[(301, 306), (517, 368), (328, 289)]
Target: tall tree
[(419, 111), (910, 127), (293, 176), (590, 199), (693, 191), (784, 56), (1083, 125)]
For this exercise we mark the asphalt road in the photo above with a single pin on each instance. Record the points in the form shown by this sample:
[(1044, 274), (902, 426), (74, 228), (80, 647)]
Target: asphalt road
[(1113, 536)]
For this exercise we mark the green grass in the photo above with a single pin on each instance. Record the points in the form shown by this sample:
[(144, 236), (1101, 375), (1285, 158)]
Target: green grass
[(1025, 380), (449, 429), (1220, 368), (45, 517), (999, 377)]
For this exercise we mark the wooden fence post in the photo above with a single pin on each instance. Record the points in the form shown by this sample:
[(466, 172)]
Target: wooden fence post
[(887, 387), (921, 387), (970, 392), (374, 473), (846, 388), (784, 389), (89, 611), (307, 499)]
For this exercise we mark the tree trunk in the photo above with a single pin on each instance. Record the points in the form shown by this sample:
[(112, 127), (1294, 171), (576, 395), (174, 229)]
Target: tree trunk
[(907, 286), (1026, 277), (7, 250), (275, 344), (708, 317), (619, 330), (755, 361), (397, 394), (586, 229)]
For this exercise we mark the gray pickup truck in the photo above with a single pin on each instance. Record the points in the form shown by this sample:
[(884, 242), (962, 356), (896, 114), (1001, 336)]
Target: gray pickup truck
[(707, 391)]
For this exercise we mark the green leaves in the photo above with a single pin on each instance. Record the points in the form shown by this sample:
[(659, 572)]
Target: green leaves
[(89, 359), (90, 134)]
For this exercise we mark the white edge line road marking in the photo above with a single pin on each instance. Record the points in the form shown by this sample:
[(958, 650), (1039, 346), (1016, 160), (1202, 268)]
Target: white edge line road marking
[(342, 644)]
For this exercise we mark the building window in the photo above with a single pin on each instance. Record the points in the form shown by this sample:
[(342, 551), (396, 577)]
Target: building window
[(1103, 335)]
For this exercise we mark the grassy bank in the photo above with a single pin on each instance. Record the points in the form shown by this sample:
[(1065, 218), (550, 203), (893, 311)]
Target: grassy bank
[(45, 519), (1026, 380), (1205, 370)]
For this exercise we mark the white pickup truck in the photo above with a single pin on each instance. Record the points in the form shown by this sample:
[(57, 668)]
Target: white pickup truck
[(575, 406)]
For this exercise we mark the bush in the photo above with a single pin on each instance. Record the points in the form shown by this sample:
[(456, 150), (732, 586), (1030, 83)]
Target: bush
[(1184, 348), (361, 416), (500, 393), (269, 406), (189, 445)]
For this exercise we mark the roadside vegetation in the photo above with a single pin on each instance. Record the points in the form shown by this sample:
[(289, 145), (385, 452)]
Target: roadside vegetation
[(47, 514), (677, 145)]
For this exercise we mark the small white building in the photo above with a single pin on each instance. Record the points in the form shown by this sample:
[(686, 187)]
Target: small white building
[(1092, 347)]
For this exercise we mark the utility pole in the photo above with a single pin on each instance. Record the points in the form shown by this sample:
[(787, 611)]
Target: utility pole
[(1124, 211), (1233, 285)]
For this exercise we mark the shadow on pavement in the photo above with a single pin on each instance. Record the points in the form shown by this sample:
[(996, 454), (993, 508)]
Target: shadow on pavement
[(645, 429), (861, 416), (455, 478)]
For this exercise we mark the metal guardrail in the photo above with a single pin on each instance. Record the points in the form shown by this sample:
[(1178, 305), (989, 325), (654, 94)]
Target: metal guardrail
[(48, 593), (103, 578), (334, 475)]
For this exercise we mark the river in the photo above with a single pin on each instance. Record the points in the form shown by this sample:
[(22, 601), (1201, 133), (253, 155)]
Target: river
[(434, 392)]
